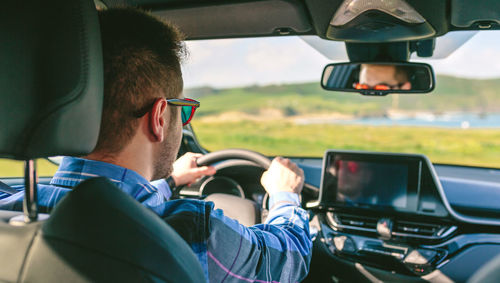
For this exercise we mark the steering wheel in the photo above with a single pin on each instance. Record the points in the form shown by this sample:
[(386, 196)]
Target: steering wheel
[(245, 211), (228, 154)]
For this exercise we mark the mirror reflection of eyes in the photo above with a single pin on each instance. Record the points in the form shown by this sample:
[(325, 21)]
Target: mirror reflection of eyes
[(378, 87), (383, 78)]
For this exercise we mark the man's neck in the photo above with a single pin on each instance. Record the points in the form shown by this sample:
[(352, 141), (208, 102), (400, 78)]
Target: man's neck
[(126, 159)]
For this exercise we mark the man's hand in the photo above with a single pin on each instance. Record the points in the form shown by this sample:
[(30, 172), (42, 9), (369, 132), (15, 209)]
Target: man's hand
[(283, 176), (186, 171)]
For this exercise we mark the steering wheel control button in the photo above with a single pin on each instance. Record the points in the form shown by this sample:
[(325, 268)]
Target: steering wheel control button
[(384, 228), (344, 244)]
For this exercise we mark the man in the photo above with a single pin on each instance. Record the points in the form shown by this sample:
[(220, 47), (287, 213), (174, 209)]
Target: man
[(354, 180), (140, 136), (383, 77)]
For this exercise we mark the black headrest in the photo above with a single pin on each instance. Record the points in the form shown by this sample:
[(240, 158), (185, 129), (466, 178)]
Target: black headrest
[(51, 80)]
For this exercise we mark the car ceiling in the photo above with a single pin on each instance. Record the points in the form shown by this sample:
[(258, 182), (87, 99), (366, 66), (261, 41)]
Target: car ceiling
[(209, 19)]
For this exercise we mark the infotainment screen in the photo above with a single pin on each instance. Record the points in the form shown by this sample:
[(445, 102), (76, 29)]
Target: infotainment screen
[(370, 180)]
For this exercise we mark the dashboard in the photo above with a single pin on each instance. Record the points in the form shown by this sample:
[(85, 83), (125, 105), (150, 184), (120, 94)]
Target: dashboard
[(403, 221), (408, 220)]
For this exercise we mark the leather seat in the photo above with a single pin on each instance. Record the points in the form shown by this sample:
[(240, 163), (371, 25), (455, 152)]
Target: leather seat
[(97, 233), (51, 100)]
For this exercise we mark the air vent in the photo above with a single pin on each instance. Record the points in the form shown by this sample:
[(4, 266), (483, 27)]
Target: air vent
[(400, 228), (421, 230), (354, 222)]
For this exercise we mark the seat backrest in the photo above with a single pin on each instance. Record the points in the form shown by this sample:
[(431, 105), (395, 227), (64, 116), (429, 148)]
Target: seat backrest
[(97, 233), (51, 95)]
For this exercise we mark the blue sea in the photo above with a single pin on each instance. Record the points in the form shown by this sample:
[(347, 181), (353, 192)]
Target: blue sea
[(452, 120)]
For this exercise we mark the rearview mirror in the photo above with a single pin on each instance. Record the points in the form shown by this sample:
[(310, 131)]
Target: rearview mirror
[(379, 78)]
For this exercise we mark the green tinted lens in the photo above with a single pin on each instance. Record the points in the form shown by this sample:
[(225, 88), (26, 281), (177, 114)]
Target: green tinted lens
[(186, 114)]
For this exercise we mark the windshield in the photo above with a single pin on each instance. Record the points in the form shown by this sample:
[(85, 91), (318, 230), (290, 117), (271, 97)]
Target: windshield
[(264, 94)]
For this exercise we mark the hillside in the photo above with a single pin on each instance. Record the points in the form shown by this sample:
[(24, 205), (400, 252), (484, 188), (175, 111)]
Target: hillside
[(451, 94)]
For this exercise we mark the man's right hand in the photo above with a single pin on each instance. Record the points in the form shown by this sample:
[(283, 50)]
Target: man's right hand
[(186, 171), (283, 176)]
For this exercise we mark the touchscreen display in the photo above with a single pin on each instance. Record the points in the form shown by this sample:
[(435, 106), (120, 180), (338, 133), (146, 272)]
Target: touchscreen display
[(361, 182)]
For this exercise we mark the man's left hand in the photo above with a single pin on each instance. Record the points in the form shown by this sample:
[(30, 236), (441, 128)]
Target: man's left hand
[(186, 171)]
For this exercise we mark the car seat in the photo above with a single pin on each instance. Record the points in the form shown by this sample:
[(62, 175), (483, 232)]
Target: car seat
[(51, 91)]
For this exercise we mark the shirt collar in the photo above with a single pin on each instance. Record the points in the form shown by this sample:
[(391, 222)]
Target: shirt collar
[(73, 171)]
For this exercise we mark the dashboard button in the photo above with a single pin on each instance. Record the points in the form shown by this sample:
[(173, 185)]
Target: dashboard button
[(384, 228), (420, 256), (344, 244)]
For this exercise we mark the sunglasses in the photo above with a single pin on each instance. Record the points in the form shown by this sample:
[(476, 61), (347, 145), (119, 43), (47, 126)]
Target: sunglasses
[(188, 108), (351, 166), (378, 87), (187, 111)]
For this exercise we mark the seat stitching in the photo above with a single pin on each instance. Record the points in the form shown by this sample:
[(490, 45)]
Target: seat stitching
[(28, 252)]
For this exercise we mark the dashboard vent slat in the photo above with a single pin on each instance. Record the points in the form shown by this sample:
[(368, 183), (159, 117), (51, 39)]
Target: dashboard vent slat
[(421, 230), (416, 228), (349, 221), (401, 229)]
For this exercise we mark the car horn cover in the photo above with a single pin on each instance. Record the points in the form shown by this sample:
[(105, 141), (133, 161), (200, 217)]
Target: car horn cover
[(350, 9)]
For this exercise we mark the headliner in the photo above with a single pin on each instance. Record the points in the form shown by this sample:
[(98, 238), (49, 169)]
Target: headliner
[(208, 19)]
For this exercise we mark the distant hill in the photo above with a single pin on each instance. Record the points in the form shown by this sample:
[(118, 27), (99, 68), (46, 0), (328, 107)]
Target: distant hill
[(451, 94)]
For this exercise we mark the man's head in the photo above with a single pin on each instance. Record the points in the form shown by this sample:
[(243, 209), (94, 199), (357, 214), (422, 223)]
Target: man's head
[(394, 77), (142, 67), (353, 178)]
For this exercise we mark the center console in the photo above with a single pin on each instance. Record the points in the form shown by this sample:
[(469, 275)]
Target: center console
[(385, 210), (379, 182)]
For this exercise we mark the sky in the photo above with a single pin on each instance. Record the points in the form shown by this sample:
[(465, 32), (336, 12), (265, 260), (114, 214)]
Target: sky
[(228, 63)]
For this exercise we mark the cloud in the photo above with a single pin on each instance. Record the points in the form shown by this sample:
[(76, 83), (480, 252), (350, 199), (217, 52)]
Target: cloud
[(197, 53), (477, 58), (275, 60), (252, 61), (333, 50), (470, 65), (271, 57)]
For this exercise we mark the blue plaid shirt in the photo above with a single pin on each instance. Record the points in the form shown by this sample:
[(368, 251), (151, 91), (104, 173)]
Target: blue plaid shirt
[(277, 251)]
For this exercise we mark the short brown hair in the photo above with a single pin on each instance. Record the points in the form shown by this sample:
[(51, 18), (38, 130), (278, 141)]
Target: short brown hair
[(142, 61)]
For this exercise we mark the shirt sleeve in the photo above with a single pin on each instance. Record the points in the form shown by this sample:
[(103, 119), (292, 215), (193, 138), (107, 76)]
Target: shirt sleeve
[(163, 187), (278, 250)]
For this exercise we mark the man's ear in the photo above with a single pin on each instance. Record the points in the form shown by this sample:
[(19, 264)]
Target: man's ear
[(157, 122)]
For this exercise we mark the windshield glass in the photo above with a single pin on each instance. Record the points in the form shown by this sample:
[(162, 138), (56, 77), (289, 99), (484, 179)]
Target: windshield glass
[(264, 94)]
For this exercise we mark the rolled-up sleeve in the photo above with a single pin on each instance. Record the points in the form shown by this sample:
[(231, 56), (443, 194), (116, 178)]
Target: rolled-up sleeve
[(277, 251)]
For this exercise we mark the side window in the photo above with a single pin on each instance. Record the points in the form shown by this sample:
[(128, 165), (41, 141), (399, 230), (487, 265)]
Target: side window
[(14, 168)]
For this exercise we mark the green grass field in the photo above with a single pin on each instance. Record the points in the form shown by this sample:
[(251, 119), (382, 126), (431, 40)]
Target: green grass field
[(474, 147), (451, 94), (11, 168)]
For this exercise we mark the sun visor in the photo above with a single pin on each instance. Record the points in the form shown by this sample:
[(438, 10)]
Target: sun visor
[(465, 14), (378, 21), (240, 19)]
